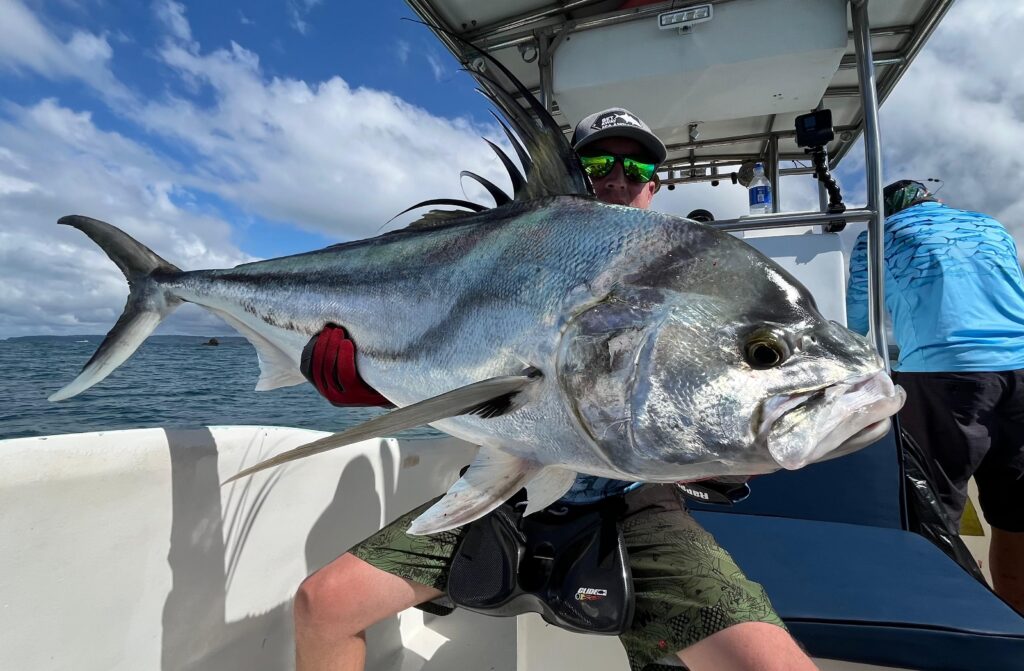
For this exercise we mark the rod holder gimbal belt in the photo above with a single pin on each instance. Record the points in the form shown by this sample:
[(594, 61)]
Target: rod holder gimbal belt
[(567, 563)]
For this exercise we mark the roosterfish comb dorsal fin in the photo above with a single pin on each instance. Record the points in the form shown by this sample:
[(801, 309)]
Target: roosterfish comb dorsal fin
[(550, 164), (524, 158), (518, 181), (500, 197), (552, 167)]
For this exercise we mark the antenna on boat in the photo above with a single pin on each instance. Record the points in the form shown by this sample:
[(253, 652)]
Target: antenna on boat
[(933, 179)]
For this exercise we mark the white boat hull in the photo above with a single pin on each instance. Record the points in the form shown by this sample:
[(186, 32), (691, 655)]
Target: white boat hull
[(123, 552)]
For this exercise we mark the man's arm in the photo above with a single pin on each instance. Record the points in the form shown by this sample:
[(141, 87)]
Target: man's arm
[(857, 287), (329, 363)]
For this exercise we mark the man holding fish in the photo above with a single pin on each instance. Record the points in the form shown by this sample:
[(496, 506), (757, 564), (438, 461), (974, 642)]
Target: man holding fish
[(584, 342), (695, 603)]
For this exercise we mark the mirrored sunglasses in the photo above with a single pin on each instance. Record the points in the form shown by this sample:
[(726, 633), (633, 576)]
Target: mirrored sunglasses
[(636, 170)]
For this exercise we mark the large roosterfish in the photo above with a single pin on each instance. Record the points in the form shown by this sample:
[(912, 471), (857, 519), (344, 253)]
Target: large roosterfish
[(559, 334)]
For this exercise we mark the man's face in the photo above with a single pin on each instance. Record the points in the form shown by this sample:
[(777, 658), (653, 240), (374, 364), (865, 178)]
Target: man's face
[(615, 188)]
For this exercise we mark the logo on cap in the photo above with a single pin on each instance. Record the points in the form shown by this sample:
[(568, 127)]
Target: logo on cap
[(616, 118)]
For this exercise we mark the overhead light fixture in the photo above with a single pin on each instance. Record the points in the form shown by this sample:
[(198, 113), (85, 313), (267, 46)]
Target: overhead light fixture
[(683, 19), (528, 52)]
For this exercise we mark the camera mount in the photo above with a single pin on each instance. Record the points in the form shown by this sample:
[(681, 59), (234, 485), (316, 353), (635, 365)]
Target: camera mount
[(814, 132)]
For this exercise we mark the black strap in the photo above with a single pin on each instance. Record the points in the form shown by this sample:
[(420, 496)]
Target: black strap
[(568, 564), (720, 492)]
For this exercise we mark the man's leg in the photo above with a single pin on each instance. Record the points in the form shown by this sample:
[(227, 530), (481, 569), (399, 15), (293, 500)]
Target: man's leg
[(948, 415), (750, 646), (386, 573), (1006, 561), (1001, 493), (692, 601), (335, 605)]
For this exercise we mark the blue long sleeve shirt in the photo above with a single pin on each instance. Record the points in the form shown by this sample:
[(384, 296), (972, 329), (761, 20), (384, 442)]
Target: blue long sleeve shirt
[(953, 287), (590, 489)]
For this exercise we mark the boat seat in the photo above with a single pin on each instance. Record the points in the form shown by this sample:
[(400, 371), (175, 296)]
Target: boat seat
[(871, 594)]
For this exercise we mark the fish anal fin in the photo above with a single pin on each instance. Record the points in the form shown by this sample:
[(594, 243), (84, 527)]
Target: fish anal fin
[(492, 478), (277, 369), (548, 486)]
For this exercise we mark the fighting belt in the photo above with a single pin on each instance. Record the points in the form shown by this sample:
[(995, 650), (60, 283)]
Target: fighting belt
[(723, 491), (567, 563)]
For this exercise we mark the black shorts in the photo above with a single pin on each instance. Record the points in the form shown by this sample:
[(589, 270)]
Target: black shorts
[(971, 424)]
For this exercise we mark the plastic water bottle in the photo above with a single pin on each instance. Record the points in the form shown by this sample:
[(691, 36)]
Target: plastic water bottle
[(760, 191)]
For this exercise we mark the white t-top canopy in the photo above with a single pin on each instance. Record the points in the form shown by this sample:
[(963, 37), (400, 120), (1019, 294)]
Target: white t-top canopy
[(717, 89)]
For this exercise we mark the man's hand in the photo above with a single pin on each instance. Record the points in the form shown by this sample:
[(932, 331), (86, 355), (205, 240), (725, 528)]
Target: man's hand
[(329, 363)]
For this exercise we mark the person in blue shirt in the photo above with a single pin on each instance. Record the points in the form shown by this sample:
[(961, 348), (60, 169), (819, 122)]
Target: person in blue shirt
[(692, 603), (955, 292)]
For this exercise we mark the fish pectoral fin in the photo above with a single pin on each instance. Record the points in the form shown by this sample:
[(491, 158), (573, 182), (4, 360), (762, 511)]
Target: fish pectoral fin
[(473, 398), (497, 406), (547, 487), (492, 478)]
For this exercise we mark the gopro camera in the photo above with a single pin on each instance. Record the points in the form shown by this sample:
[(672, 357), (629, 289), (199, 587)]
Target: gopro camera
[(814, 129)]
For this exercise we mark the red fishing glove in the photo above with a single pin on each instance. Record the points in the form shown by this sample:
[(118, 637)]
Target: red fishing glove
[(329, 362)]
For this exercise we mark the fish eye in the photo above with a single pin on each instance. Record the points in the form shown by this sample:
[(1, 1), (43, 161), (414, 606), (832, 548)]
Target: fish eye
[(765, 350)]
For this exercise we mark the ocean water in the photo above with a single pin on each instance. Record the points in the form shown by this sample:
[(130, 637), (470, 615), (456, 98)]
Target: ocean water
[(171, 381)]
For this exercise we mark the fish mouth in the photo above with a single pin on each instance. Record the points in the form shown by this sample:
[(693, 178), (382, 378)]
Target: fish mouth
[(828, 422)]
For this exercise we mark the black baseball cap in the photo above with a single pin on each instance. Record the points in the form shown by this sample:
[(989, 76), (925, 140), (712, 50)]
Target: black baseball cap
[(617, 122)]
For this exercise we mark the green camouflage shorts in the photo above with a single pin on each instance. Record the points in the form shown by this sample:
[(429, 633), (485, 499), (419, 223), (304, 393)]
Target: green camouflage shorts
[(686, 586)]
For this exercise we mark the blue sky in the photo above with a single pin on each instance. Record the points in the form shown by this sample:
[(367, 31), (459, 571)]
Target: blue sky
[(218, 133), (297, 40)]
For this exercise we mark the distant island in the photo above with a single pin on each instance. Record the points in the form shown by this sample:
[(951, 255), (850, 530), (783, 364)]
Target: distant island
[(96, 339)]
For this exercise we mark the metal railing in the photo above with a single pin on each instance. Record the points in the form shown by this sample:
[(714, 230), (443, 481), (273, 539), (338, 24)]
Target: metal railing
[(790, 219), (873, 172), (544, 28)]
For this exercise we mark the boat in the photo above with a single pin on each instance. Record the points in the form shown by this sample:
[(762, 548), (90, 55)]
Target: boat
[(128, 554)]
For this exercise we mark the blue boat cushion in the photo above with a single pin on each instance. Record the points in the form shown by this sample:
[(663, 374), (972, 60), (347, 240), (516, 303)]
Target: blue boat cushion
[(860, 488), (872, 595)]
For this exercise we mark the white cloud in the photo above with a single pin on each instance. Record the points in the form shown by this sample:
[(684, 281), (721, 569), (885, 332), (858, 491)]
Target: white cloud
[(172, 15), (55, 161), (436, 66), (26, 44), (298, 10), (324, 155), (27, 47), (402, 49), (341, 160), (958, 113)]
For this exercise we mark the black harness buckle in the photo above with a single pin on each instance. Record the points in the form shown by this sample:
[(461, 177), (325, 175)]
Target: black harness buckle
[(567, 563)]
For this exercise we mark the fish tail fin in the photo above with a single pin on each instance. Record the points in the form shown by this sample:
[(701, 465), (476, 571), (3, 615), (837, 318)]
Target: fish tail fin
[(148, 302)]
